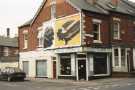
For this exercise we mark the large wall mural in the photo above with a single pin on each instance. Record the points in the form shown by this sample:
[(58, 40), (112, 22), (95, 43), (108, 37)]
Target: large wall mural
[(67, 31), (48, 37)]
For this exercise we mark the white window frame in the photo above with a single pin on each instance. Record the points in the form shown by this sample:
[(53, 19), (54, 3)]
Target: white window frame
[(6, 51), (119, 57), (25, 40), (70, 65), (16, 52), (42, 60), (97, 21), (40, 37), (118, 30)]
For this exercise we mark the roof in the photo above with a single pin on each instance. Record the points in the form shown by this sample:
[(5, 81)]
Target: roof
[(84, 5), (10, 42), (26, 23), (130, 3), (102, 7), (105, 6), (122, 7)]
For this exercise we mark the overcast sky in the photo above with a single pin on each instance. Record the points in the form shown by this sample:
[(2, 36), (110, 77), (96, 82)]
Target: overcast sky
[(13, 13)]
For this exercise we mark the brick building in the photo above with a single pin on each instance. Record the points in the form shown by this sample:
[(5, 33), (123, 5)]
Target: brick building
[(9, 52), (79, 39)]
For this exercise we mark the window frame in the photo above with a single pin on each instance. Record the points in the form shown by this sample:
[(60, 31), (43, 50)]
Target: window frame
[(116, 65), (25, 39), (120, 65), (65, 57), (6, 51), (97, 22), (116, 30)]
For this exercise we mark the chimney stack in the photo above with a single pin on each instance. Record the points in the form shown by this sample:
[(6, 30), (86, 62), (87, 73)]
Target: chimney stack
[(91, 1), (8, 32), (115, 2)]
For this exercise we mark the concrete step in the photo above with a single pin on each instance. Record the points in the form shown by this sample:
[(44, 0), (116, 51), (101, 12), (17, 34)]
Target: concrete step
[(123, 74)]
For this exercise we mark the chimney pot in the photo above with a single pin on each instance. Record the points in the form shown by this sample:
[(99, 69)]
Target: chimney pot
[(91, 1), (115, 2), (8, 32)]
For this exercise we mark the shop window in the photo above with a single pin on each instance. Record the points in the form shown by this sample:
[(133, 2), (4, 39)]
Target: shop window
[(120, 57), (123, 57), (41, 68), (116, 57), (116, 30), (65, 62)]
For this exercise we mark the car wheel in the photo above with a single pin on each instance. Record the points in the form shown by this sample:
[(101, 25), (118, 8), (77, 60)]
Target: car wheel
[(9, 79)]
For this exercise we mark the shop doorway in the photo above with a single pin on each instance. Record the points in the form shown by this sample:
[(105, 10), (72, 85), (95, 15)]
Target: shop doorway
[(54, 69), (82, 69)]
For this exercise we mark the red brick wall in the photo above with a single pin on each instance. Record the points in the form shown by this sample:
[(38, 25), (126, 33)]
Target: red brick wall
[(11, 50), (89, 29), (63, 8), (21, 38), (127, 30)]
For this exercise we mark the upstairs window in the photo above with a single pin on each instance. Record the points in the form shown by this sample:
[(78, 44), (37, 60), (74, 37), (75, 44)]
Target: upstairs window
[(116, 30), (6, 51), (25, 41), (96, 30), (16, 52)]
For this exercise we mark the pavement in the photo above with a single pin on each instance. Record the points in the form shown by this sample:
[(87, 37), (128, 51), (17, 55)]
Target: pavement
[(49, 84)]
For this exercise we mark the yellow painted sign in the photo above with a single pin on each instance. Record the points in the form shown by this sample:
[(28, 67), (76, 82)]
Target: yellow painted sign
[(67, 31)]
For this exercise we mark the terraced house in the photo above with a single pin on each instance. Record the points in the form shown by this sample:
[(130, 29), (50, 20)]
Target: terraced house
[(9, 53), (79, 39)]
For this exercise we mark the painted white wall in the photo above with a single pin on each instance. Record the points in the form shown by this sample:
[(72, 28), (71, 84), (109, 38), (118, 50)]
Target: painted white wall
[(32, 56), (91, 67), (73, 59), (134, 57)]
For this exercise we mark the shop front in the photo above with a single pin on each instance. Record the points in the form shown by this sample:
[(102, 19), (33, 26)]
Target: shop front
[(83, 65)]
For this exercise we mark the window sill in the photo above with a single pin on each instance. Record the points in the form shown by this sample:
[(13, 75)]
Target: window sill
[(25, 48), (97, 41), (117, 39), (65, 75)]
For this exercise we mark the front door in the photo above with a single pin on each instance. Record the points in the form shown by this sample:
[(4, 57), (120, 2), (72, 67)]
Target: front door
[(54, 69), (82, 69), (26, 67)]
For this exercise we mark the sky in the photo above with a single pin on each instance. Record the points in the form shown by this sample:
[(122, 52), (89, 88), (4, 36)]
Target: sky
[(14, 13)]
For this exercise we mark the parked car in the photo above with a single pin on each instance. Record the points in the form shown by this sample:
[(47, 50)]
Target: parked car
[(11, 74)]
